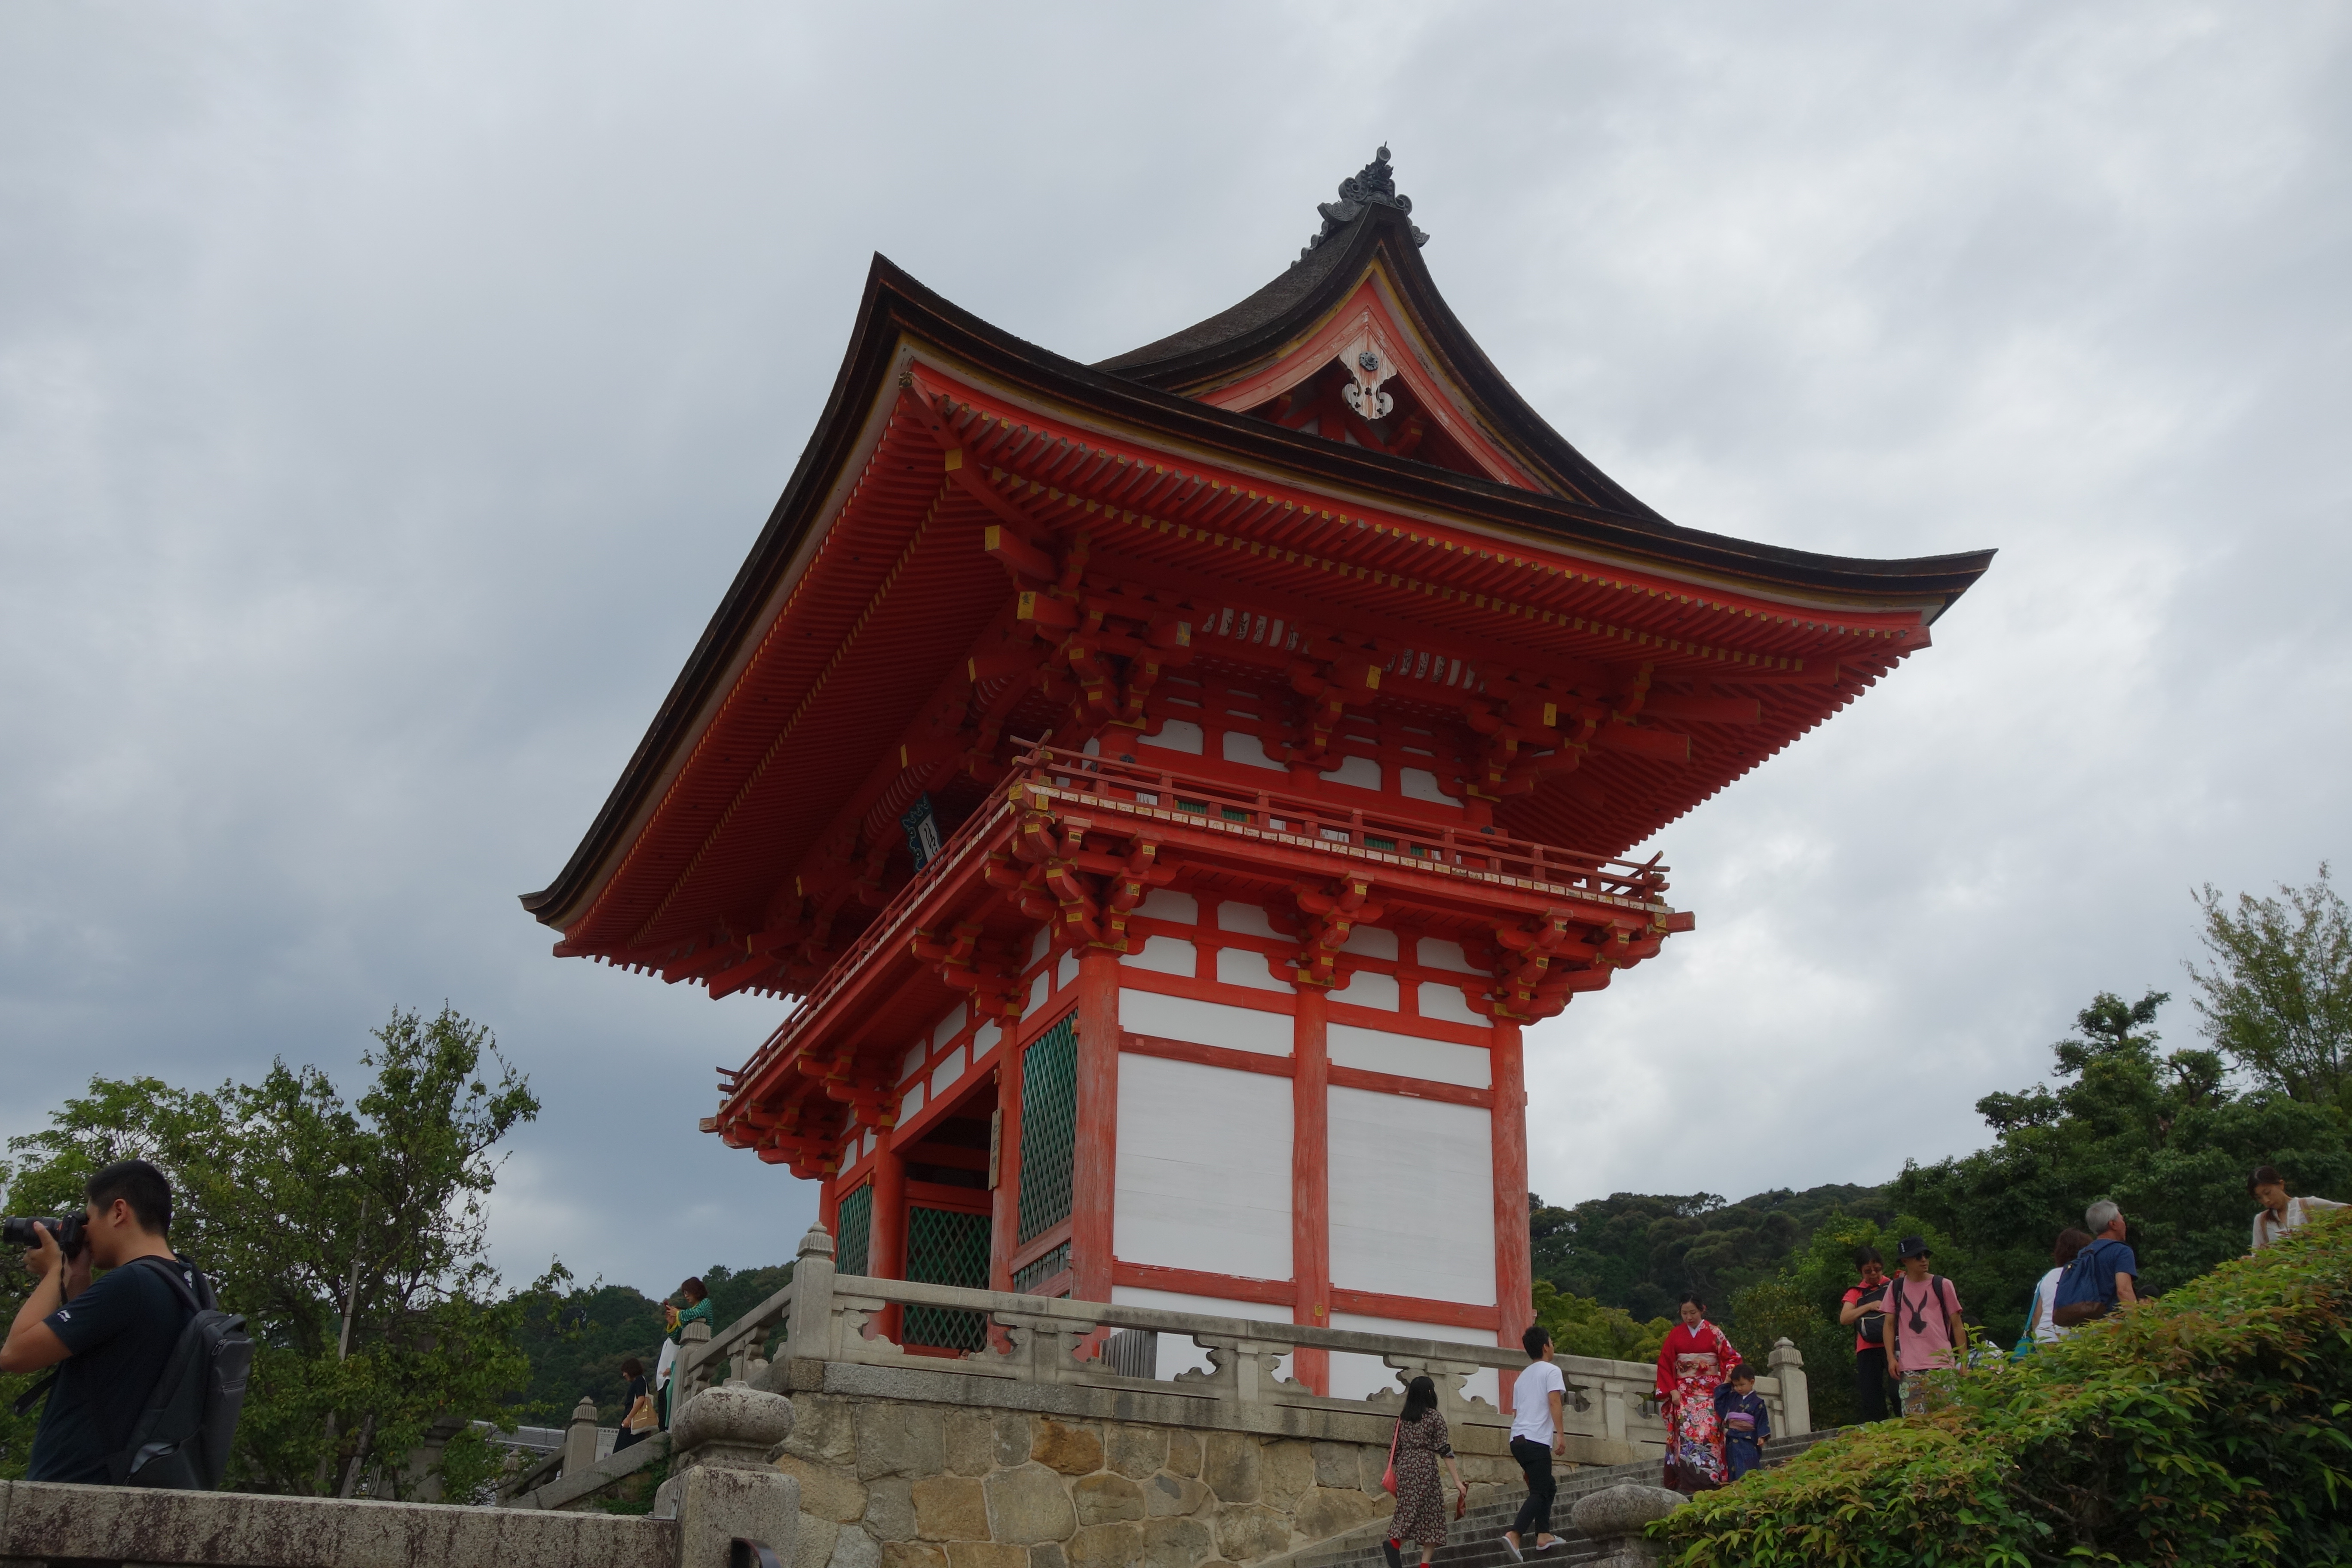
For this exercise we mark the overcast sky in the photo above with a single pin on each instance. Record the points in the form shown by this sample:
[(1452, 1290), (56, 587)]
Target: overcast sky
[(387, 395)]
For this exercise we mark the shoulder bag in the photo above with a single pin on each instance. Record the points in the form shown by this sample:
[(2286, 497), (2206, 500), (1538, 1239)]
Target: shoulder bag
[(1387, 1477)]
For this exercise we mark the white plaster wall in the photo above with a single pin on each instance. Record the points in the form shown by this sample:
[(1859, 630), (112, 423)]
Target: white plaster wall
[(949, 1027), (1377, 1050), (1420, 784), (1436, 952), (1361, 1376), (1179, 735), (1178, 1354), (1165, 954), (1242, 967), (1240, 746), (1247, 918), (1413, 1197), (1168, 904), (1446, 1003), (1371, 941), (1204, 1022), (1203, 1169), (1366, 989), (950, 1069), (1362, 771)]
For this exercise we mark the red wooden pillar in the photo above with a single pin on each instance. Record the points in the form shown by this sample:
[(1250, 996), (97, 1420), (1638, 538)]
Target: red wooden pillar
[(828, 1206), (1004, 1224), (1514, 1268), (886, 1247), (1310, 1182), (1094, 1170)]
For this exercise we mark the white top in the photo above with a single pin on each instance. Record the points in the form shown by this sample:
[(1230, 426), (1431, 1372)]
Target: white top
[(2046, 1305), (1531, 1401), (2268, 1229)]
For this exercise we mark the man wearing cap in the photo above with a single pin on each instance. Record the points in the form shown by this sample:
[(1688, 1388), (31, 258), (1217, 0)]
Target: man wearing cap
[(1923, 1332)]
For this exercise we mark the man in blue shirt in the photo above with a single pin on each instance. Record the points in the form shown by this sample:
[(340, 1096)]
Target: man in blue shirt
[(108, 1341), (2112, 1269)]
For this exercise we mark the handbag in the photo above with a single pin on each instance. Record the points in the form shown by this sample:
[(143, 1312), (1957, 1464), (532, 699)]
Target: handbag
[(1387, 1477), (642, 1415)]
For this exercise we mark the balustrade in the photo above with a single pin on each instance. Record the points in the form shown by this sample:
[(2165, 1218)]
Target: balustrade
[(826, 1317)]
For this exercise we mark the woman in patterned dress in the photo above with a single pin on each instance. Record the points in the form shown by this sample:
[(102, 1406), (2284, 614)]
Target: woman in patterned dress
[(1692, 1364), (1421, 1442)]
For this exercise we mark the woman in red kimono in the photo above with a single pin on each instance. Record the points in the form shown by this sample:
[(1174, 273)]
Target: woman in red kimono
[(1692, 1364)]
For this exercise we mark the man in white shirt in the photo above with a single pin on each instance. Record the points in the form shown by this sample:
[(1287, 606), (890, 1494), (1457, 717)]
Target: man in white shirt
[(1537, 1437)]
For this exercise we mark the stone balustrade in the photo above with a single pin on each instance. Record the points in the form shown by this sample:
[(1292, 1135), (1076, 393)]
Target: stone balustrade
[(832, 1323)]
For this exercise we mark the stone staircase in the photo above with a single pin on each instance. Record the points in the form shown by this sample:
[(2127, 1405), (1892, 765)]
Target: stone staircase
[(1475, 1540)]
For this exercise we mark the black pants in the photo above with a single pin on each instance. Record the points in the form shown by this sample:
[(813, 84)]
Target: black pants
[(1870, 1383), (1535, 1463)]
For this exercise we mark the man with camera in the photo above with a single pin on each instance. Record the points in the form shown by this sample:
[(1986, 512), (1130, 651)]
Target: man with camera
[(110, 1340)]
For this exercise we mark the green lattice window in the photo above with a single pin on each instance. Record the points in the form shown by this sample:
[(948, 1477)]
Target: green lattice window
[(855, 1225), (1042, 1268), (944, 1248), (1049, 1128)]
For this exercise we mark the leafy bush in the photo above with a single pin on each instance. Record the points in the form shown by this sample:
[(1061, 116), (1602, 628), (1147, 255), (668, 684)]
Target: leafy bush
[(2203, 1428), (1581, 1326)]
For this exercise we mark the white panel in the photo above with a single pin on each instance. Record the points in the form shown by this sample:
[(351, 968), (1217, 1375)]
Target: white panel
[(1177, 1351), (949, 1027), (869, 1144), (1203, 1171), (1241, 746), (1366, 989), (1179, 735), (1362, 772), (948, 1071), (1168, 904), (1240, 966), (1247, 918), (1167, 955), (1039, 945), (1438, 954), (1412, 1196), (1420, 784), (1442, 1061), (984, 1038), (1204, 1022), (1361, 1376), (1371, 941), (917, 1056), (1440, 1001), (1065, 969), (910, 1100), (1039, 989)]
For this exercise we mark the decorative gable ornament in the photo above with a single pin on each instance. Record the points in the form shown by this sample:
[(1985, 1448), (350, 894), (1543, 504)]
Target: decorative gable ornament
[(1373, 185)]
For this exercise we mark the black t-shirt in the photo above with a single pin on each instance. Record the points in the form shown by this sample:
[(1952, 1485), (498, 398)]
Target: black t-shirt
[(120, 1331)]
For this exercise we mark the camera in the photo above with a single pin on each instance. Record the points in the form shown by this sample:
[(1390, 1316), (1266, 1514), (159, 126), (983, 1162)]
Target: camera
[(68, 1232)]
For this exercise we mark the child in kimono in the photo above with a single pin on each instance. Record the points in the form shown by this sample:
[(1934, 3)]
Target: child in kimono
[(1745, 1426)]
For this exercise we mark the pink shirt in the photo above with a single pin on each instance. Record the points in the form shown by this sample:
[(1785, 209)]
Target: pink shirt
[(1937, 1307)]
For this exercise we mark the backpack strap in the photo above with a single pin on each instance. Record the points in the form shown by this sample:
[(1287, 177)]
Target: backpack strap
[(198, 1299)]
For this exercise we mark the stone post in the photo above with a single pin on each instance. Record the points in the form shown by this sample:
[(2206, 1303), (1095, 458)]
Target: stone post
[(724, 1486), (808, 1330), (1796, 1396), (580, 1438), (691, 1339), (1614, 1517)]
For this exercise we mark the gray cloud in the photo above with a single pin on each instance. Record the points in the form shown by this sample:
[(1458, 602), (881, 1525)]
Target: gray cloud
[(387, 395)]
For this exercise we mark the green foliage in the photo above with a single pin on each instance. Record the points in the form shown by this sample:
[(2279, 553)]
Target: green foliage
[(577, 1341), (1581, 1326), (2204, 1428), (299, 1205), (2162, 1136), (1641, 1252), (2278, 999)]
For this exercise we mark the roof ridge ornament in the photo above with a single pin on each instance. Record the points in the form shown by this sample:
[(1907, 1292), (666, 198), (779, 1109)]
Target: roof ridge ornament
[(1373, 185)]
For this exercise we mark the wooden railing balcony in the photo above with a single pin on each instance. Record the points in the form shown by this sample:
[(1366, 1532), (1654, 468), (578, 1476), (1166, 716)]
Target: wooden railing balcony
[(1113, 793)]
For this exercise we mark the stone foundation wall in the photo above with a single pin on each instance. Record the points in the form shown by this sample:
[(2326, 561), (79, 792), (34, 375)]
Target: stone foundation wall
[(908, 1484)]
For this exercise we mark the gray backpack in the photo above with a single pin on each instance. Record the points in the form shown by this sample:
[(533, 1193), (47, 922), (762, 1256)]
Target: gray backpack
[(182, 1439)]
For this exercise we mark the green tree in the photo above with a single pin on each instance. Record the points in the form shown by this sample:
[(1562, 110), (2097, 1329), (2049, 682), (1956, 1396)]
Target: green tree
[(2163, 1135), (352, 1237), (1581, 1326), (2278, 999)]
